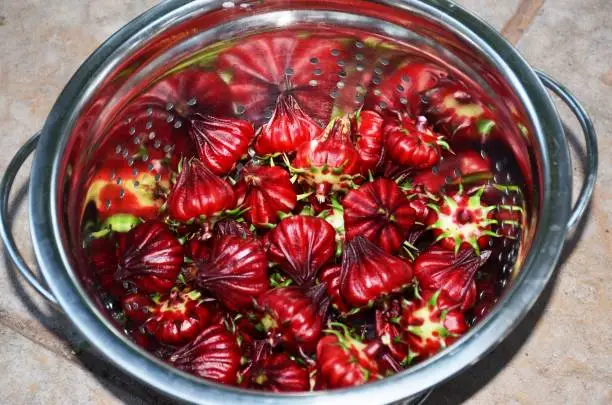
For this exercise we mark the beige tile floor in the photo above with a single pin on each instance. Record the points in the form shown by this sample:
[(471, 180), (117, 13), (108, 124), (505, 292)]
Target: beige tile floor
[(560, 354)]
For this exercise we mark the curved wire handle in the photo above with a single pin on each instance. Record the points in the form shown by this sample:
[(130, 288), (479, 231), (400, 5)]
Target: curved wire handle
[(591, 146), (7, 238)]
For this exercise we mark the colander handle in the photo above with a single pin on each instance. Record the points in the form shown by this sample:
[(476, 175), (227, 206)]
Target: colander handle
[(5, 233), (591, 146)]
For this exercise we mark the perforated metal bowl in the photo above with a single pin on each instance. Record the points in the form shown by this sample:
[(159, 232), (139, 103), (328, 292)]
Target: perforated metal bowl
[(377, 37)]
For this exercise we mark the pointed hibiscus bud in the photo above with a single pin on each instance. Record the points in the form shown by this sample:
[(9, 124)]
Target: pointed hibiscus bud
[(287, 129), (368, 272), (265, 192), (328, 162), (199, 193), (149, 257), (236, 272), (440, 269), (301, 245), (214, 355), (293, 317), (220, 142)]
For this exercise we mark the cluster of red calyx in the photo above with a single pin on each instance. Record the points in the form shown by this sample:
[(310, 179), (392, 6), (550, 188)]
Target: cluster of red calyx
[(291, 251)]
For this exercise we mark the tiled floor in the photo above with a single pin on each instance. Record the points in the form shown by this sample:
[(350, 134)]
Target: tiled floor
[(559, 354)]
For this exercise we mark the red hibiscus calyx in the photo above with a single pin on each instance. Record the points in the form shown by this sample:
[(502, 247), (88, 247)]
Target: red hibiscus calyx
[(380, 212), (288, 128), (236, 273), (344, 361), (149, 257), (214, 354), (301, 245), (428, 328), (368, 272), (455, 111), (292, 317), (412, 143), (220, 142), (280, 373), (265, 192), (453, 273), (330, 162), (462, 220), (174, 320), (199, 194), (369, 139)]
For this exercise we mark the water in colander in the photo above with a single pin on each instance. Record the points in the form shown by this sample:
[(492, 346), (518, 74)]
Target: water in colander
[(299, 211)]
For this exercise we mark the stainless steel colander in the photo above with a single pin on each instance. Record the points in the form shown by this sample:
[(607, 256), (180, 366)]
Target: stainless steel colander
[(342, 59)]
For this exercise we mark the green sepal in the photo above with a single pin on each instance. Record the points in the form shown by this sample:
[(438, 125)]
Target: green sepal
[(121, 222), (433, 301), (485, 126)]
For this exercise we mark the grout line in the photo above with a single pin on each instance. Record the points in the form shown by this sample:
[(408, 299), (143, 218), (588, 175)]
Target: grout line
[(521, 20)]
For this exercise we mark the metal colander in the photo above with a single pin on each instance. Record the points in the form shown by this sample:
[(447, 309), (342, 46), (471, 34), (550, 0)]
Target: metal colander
[(131, 101), (332, 63)]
